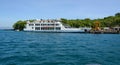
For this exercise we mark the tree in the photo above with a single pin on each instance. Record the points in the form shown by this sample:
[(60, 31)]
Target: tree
[(19, 25), (117, 14), (64, 21)]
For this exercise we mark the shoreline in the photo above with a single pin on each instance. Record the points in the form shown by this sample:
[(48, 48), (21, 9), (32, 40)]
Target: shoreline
[(88, 32)]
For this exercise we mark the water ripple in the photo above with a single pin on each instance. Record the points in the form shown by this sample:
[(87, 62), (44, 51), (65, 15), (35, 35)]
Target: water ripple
[(28, 48)]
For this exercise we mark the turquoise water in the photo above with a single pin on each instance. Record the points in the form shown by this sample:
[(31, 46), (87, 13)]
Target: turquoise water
[(29, 48)]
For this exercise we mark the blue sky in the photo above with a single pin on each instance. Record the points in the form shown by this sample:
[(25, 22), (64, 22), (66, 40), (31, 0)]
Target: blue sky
[(14, 10)]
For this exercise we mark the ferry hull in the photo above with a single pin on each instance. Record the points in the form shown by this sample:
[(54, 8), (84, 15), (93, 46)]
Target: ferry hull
[(60, 31)]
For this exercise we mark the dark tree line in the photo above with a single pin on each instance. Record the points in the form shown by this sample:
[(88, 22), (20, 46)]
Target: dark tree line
[(110, 21)]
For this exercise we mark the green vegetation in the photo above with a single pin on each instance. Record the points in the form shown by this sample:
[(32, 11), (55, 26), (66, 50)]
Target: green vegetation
[(110, 21), (19, 25)]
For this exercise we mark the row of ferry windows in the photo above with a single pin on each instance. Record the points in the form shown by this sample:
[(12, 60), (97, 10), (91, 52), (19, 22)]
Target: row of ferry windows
[(47, 28), (43, 24)]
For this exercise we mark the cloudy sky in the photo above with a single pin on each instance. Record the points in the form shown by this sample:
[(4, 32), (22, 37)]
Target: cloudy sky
[(14, 10)]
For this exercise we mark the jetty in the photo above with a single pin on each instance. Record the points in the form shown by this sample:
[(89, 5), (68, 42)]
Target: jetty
[(106, 30)]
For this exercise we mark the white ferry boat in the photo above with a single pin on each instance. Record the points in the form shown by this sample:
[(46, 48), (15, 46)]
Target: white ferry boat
[(50, 26)]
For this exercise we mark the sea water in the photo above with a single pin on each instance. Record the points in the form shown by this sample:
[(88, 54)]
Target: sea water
[(30, 48)]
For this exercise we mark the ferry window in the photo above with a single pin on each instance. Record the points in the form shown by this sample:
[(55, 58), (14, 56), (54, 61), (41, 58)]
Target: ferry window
[(37, 24), (51, 28), (51, 24), (57, 24), (43, 24), (47, 28), (58, 28), (32, 27), (48, 24), (31, 24), (37, 28)]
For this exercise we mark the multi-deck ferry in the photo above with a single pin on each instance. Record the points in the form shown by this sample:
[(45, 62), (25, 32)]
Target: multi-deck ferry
[(50, 26)]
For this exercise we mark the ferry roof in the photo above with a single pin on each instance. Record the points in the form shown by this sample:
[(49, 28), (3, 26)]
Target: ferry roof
[(39, 21)]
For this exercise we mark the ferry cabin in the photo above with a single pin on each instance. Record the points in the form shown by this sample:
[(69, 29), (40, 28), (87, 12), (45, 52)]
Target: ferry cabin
[(44, 25)]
